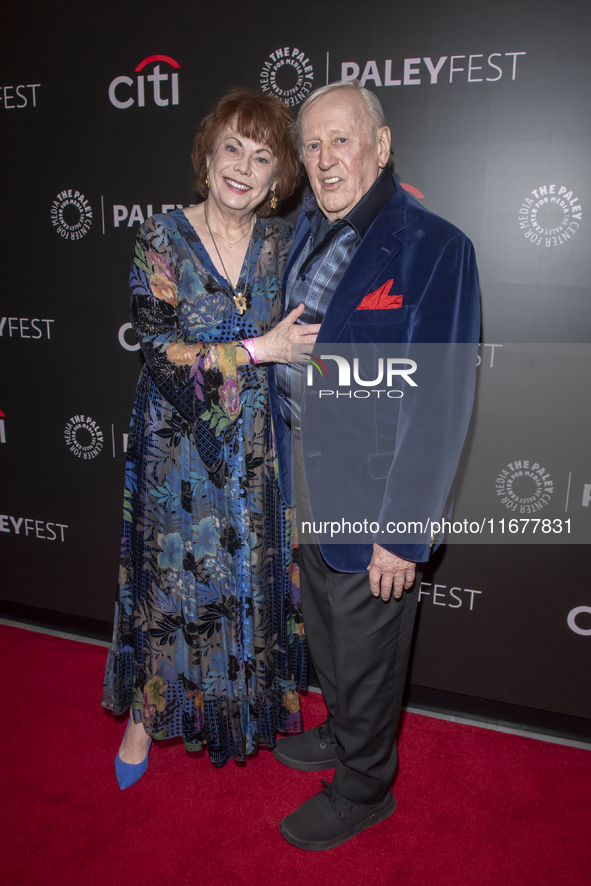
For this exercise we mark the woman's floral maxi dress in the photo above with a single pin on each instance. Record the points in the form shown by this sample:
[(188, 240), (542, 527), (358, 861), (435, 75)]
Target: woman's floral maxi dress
[(208, 638)]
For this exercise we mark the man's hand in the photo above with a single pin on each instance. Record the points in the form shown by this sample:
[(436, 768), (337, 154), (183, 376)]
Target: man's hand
[(387, 571)]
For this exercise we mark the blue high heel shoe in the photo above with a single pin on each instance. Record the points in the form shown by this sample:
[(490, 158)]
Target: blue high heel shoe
[(128, 773)]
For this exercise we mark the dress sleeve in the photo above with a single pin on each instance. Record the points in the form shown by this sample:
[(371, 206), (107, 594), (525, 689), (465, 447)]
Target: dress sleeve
[(199, 379), (154, 316)]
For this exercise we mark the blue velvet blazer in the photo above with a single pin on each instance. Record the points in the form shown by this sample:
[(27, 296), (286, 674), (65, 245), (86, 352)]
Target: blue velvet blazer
[(433, 267)]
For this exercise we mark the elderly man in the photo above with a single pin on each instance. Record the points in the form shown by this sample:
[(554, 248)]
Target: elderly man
[(359, 236)]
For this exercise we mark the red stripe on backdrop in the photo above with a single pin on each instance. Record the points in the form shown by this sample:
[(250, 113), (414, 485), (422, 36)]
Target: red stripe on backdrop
[(411, 189), (157, 58), (474, 806)]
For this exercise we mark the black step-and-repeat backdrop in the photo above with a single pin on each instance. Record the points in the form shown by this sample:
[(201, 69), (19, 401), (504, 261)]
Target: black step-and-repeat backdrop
[(488, 105)]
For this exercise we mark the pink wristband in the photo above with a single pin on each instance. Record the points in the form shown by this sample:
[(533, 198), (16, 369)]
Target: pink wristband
[(248, 343)]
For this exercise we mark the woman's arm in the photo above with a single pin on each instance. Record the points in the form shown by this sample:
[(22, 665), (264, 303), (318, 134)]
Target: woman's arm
[(199, 379), (154, 316), (275, 345)]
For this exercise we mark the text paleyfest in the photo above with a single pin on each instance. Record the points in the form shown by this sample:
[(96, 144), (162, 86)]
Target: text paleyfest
[(24, 327), (471, 68), (28, 526), (438, 595), (18, 97), (136, 215)]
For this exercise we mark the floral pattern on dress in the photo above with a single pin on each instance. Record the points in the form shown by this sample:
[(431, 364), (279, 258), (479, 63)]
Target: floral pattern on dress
[(208, 641)]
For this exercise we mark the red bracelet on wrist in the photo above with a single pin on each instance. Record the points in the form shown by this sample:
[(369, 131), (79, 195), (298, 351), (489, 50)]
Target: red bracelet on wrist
[(248, 345)]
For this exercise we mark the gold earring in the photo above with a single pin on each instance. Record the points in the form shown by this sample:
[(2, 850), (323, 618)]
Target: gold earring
[(274, 201), (207, 180)]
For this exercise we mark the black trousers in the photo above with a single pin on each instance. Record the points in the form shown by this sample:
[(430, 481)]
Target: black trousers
[(360, 647)]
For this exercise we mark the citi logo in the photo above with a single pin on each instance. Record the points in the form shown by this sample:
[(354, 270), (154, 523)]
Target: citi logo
[(575, 627), (125, 92)]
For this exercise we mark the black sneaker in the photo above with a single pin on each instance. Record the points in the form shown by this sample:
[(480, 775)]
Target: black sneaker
[(310, 750), (329, 819)]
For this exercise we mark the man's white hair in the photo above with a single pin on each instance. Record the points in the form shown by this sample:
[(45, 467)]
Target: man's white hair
[(375, 111)]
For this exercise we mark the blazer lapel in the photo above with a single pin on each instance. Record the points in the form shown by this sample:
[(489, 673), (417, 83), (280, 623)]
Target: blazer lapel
[(377, 249)]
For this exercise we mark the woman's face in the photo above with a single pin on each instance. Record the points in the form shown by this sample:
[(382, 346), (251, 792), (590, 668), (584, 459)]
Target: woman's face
[(241, 171)]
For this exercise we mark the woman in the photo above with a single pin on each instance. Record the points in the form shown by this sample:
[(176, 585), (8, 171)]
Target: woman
[(207, 641)]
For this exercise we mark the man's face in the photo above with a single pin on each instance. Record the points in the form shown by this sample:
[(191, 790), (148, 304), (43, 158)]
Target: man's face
[(342, 156)]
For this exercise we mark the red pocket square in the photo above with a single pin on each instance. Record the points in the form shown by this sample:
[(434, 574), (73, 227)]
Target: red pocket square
[(381, 299)]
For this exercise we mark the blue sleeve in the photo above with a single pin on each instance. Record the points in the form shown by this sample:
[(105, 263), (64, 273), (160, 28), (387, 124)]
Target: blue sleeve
[(433, 422)]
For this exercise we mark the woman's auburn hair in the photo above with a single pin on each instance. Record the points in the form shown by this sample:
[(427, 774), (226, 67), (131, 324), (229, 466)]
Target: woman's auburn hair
[(262, 118)]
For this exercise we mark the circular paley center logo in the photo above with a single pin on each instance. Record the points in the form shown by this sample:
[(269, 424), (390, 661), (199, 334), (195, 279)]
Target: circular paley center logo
[(71, 215), (551, 216), (524, 486), (288, 74), (83, 437)]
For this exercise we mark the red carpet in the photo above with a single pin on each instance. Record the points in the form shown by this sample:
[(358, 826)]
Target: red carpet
[(475, 807)]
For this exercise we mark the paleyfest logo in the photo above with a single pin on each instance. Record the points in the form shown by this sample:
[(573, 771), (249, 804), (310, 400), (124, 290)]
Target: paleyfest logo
[(71, 215), (551, 216), (288, 74), (524, 486), (125, 92), (467, 68), (83, 437)]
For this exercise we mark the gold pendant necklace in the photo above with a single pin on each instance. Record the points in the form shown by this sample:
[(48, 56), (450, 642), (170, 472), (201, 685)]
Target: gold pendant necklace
[(237, 297)]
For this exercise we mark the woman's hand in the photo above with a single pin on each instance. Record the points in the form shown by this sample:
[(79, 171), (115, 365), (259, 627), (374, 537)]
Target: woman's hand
[(275, 345)]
